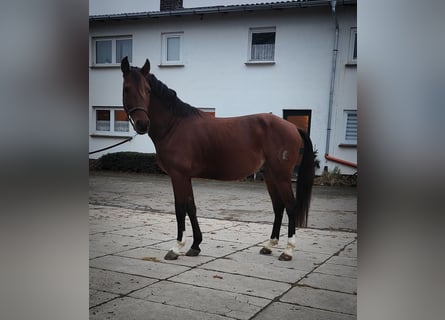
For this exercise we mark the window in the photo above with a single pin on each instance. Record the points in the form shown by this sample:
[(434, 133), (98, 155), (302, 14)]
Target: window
[(110, 121), (172, 49), (350, 133), (103, 120), (110, 51), (262, 44), (352, 58)]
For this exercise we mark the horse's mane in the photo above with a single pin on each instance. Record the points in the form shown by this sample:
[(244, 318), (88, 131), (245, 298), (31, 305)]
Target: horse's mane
[(170, 99)]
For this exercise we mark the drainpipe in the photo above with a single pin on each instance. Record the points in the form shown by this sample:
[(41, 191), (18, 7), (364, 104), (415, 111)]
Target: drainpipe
[(341, 161), (333, 70)]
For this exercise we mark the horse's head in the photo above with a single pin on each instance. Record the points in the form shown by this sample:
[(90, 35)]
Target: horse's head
[(136, 95)]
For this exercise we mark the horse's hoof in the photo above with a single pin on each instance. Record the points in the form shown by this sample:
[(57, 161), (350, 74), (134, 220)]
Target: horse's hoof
[(193, 252), (265, 251), (171, 255), (285, 257)]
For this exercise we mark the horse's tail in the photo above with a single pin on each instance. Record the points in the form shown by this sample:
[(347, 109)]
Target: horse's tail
[(305, 181)]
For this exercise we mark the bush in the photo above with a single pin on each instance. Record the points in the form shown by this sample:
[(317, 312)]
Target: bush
[(129, 162), (335, 178)]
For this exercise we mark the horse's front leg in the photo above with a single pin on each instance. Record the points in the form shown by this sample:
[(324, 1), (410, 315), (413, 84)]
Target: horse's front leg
[(184, 203), (197, 235), (173, 253)]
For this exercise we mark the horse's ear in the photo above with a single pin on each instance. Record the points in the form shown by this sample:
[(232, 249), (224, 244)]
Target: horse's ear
[(146, 68), (125, 65)]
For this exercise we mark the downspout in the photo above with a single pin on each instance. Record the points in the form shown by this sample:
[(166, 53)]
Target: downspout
[(333, 71)]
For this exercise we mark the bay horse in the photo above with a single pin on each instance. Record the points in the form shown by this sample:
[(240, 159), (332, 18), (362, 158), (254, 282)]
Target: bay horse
[(191, 143)]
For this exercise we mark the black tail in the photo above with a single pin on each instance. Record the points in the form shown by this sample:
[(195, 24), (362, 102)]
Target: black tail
[(305, 181)]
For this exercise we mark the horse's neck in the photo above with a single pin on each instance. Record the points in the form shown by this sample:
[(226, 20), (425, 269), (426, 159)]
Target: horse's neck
[(162, 120)]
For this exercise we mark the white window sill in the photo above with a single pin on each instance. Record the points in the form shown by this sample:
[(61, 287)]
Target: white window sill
[(348, 145), (170, 65), (105, 65), (111, 135), (259, 62)]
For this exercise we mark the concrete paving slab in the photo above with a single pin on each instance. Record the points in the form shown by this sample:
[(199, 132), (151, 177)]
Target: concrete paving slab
[(255, 269), (235, 235), (344, 261), (335, 235), (322, 299), (209, 247), (116, 214), (240, 201), (111, 243), (97, 225), (350, 251), (101, 227), (158, 255), (195, 298), (330, 282), (137, 309), (98, 297), (319, 244), (301, 261), (207, 225), (338, 220), (250, 227), (115, 282), (285, 311), (166, 228), (151, 269), (95, 254), (132, 218), (338, 270), (154, 232), (233, 283)]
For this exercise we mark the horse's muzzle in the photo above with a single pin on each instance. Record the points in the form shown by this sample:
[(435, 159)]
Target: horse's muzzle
[(142, 126)]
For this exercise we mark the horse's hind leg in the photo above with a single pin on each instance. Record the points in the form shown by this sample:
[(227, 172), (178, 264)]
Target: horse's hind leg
[(278, 208), (279, 186), (290, 204)]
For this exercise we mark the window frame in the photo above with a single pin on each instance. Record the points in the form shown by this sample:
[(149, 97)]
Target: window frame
[(352, 46), (164, 49), (345, 141), (113, 40), (254, 30), (112, 132)]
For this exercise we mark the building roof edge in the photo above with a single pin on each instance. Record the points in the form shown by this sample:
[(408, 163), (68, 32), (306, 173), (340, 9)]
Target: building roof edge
[(217, 9)]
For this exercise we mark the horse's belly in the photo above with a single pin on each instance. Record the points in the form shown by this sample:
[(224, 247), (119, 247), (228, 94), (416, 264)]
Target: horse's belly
[(232, 168)]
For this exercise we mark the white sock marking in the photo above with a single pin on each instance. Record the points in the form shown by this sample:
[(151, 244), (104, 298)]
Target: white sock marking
[(178, 247), (270, 243), (290, 246)]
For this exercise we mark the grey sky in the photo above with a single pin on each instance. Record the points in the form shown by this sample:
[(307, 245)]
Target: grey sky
[(130, 6)]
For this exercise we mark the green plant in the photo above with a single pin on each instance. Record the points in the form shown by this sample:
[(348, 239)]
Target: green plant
[(335, 178)]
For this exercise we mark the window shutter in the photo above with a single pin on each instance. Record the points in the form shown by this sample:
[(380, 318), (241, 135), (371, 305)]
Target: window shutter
[(351, 126)]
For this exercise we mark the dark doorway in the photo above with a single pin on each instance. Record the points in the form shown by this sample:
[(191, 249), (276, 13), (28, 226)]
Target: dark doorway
[(300, 118)]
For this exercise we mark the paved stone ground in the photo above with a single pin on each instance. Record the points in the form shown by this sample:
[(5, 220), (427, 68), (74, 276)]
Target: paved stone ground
[(132, 226)]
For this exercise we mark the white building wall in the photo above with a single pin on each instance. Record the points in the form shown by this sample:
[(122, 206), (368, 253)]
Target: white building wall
[(345, 94), (215, 74)]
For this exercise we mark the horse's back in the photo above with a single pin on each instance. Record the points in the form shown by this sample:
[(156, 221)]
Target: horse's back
[(234, 147)]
